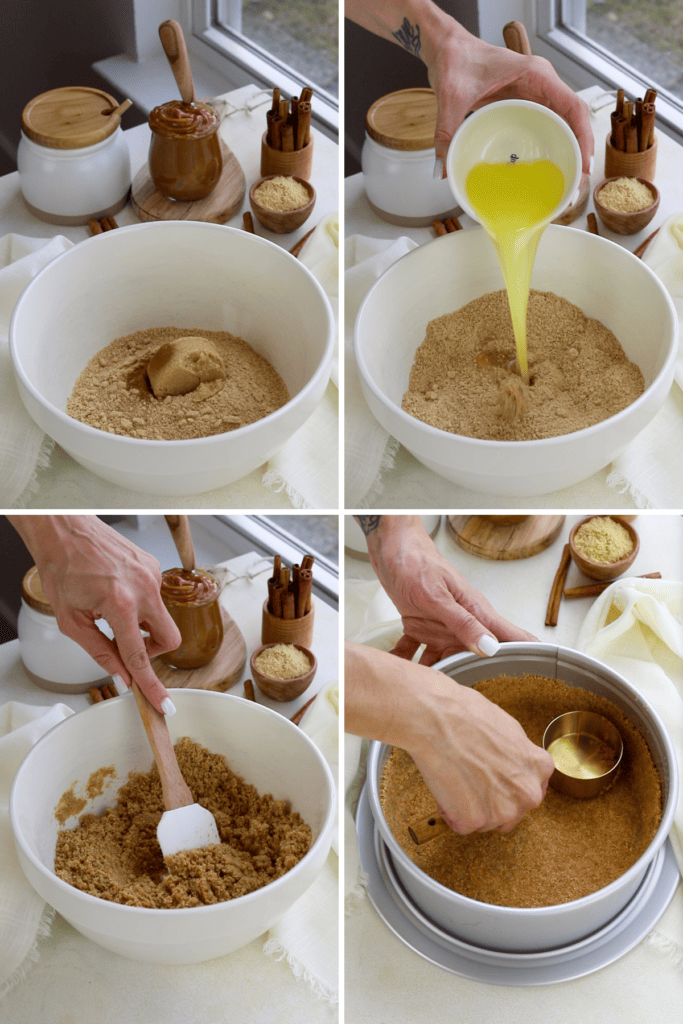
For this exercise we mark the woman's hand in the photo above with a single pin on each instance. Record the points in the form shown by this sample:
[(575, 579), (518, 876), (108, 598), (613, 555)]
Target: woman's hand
[(477, 761), (438, 606), (89, 572)]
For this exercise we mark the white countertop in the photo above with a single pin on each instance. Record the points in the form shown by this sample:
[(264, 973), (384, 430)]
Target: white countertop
[(76, 980), (387, 981), (409, 484), (241, 130)]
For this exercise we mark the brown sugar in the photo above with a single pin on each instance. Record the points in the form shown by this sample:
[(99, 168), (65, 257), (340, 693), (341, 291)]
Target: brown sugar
[(626, 195), (603, 539), (113, 392), (117, 857), (562, 850), (463, 379)]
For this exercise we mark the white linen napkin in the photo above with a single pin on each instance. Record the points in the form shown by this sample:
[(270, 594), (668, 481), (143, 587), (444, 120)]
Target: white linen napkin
[(307, 936), (636, 627), (24, 448), (651, 468), (307, 468), (368, 448), (23, 914)]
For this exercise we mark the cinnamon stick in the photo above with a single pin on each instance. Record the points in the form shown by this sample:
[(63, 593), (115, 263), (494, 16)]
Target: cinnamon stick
[(95, 695), (303, 603), (620, 102), (249, 690), (107, 692), (95, 227), (287, 137), (592, 224), (297, 716), (439, 228), (296, 249), (276, 98), (631, 134), (303, 126), (307, 562), (619, 141), (277, 565), (639, 252), (650, 96), (557, 588), (248, 222), (452, 224), (275, 129), (647, 127), (306, 95), (593, 589), (288, 605), (628, 111)]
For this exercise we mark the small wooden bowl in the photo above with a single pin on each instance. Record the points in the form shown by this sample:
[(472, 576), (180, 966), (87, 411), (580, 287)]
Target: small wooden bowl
[(604, 570), (283, 689), (625, 223), (282, 221)]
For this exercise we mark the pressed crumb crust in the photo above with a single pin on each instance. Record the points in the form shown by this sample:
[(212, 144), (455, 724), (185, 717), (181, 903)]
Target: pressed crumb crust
[(564, 849), (117, 857)]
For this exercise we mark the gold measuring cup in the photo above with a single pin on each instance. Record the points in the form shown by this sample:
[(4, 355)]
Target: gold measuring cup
[(587, 750)]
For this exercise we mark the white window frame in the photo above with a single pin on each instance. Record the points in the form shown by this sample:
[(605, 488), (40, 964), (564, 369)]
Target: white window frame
[(243, 63), (589, 63)]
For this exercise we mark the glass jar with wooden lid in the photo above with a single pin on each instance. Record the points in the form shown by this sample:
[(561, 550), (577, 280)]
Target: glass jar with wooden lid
[(398, 160), (73, 160)]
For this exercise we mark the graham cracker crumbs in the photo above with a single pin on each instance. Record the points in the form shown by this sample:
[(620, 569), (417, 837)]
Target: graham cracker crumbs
[(116, 856), (626, 195), (113, 391), (562, 850), (461, 380)]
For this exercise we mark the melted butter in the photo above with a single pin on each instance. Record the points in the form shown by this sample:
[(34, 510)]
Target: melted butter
[(513, 202), (582, 756)]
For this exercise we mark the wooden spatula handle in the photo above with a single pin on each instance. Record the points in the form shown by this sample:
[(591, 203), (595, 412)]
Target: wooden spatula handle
[(424, 829), (173, 786), (516, 38), (182, 538), (173, 42)]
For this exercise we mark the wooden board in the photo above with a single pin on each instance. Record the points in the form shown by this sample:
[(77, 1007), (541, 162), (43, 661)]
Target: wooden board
[(218, 207), (504, 543), (223, 670)]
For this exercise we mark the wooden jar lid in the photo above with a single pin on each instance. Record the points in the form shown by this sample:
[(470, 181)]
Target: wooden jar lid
[(70, 118), (403, 120), (33, 593)]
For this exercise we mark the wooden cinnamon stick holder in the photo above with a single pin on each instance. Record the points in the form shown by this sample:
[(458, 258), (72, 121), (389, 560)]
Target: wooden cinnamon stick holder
[(297, 162), (630, 165), (275, 630)]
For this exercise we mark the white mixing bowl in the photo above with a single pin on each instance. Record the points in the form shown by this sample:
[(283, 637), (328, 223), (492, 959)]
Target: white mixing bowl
[(600, 277), (261, 745), (181, 274)]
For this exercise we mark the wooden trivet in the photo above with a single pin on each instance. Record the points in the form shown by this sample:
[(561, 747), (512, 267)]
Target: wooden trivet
[(504, 543), (223, 670), (218, 207)]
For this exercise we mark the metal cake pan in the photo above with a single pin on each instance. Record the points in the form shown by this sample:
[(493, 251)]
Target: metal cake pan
[(523, 929)]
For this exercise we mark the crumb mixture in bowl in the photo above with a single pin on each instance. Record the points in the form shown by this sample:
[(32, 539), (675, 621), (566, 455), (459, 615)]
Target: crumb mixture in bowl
[(113, 392), (117, 857), (463, 380), (562, 850)]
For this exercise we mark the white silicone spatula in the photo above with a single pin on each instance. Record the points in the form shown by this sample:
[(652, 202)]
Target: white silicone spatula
[(184, 825)]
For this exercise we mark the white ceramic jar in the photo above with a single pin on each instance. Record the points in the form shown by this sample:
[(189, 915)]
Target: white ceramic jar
[(52, 660), (73, 159), (398, 160)]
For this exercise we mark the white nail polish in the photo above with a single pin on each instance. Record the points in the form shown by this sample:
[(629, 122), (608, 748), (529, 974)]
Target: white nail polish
[(591, 165), (119, 684), (438, 169), (488, 645), (168, 707)]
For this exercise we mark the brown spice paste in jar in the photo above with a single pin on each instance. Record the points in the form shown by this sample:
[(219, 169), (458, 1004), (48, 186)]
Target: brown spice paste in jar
[(185, 159), (191, 599)]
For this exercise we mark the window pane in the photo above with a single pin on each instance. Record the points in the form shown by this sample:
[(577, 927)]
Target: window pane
[(645, 34), (300, 33)]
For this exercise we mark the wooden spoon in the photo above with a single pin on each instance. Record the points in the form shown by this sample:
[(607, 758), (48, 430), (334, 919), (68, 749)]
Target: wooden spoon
[(184, 825), (182, 538), (173, 42)]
